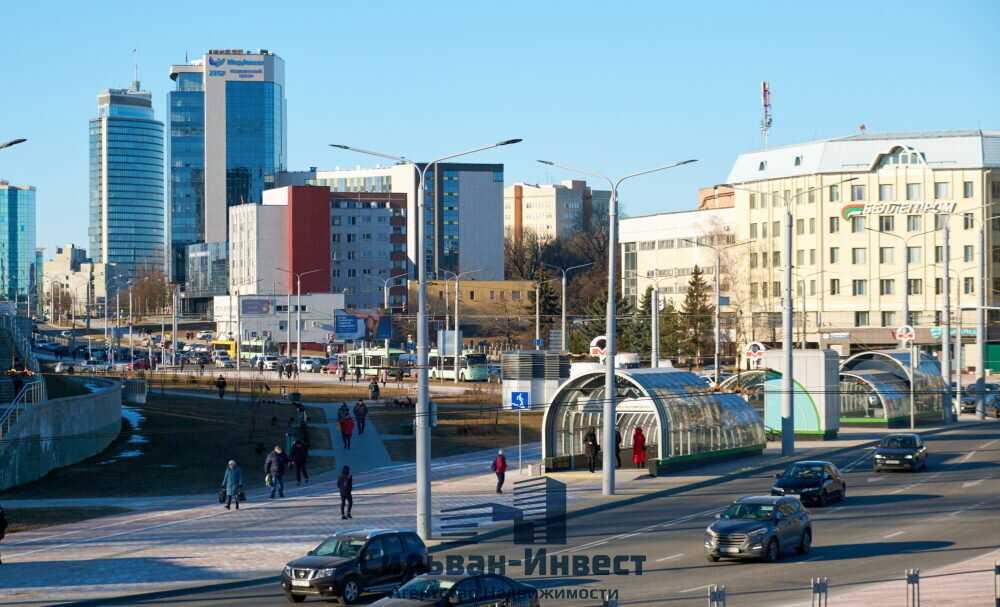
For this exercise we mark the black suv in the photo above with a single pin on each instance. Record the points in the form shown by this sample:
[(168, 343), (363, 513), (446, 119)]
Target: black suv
[(815, 481), (350, 563), (759, 527)]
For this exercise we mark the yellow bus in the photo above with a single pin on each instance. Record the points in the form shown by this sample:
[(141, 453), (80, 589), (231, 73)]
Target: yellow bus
[(224, 346)]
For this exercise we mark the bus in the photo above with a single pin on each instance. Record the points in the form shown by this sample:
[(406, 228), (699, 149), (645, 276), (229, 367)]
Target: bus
[(224, 346), (373, 360), (471, 366), (252, 348)]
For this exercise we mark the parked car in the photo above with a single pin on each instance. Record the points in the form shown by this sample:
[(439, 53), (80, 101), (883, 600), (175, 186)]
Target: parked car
[(311, 364), (205, 335), (901, 451), (351, 563), (992, 406), (66, 333), (761, 527), (224, 362), (444, 590), (332, 366), (271, 362), (970, 396), (63, 367), (815, 481)]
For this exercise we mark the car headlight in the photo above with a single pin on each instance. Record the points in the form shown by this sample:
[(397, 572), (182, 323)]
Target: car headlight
[(326, 572), (879, 456), (908, 456), (756, 532), (777, 489), (810, 489)]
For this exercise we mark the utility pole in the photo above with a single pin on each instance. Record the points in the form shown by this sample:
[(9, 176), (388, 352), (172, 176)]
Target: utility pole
[(538, 315), (787, 399), (981, 322), (946, 334), (173, 335), (654, 308)]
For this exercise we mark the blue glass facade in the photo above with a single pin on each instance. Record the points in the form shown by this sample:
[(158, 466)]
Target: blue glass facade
[(187, 168), (126, 183), (17, 241), (254, 139)]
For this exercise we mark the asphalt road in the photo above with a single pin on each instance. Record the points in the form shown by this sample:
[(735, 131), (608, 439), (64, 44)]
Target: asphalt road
[(889, 522)]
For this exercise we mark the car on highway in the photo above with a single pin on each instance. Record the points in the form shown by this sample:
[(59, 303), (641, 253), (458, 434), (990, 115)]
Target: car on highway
[(759, 527), (818, 482), (485, 590), (902, 451), (351, 563)]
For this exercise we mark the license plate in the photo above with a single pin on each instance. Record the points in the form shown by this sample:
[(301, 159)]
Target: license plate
[(892, 461), (300, 583), (731, 550)]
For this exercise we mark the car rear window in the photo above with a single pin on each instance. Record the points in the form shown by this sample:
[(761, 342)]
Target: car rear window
[(412, 542)]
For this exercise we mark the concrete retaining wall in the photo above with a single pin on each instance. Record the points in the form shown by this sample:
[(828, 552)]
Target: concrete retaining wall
[(61, 432)]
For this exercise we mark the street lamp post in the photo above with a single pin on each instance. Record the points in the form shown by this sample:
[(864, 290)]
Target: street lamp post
[(565, 271), (422, 425), (298, 311), (608, 463), (385, 304), (906, 266), (455, 338)]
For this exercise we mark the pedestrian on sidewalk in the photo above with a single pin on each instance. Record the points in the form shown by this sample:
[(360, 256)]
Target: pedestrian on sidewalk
[(500, 468), (618, 448), (346, 430), (275, 466), (360, 413), (232, 483), (220, 384), (345, 484), (357, 374), (638, 448), (299, 456), (591, 448), (342, 372), (343, 411), (3, 526), (373, 391)]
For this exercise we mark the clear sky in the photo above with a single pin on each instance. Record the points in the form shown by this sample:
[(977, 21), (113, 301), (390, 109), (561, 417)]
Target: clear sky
[(617, 86)]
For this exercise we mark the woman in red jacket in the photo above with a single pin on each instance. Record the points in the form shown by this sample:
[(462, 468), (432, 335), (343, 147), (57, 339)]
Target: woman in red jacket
[(638, 448)]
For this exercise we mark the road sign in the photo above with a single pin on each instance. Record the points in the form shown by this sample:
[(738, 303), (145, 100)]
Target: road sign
[(755, 350), (520, 400), (599, 346), (539, 343), (905, 333)]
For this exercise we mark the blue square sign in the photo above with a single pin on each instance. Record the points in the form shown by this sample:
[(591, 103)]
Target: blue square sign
[(520, 400)]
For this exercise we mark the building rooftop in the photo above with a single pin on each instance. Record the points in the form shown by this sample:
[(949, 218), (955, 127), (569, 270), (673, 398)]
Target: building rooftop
[(861, 152)]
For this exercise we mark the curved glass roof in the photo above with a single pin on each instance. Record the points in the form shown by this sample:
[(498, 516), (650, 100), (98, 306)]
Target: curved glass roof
[(930, 391)]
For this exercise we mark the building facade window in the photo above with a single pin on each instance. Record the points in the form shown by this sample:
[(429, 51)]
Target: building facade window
[(968, 221), (913, 191), (834, 225), (861, 319), (857, 192), (968, 253), (857, 224), (967, 189), (914, 286), (859, 287), (886, 255), (886, 223), (913, 223), (834, 193), (885, 192), (834, 254), (969, 285), (913, 254), (942, 189), (834, 286), (858, 255), (888, 319), (886, 286)]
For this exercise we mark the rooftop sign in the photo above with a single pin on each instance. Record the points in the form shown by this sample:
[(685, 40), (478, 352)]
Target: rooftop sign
[(898, 208)]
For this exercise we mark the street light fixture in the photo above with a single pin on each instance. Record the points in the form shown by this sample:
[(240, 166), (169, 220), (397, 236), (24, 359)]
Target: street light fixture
[(11, 143), (298, 312), (565, 271), (654, 316), (608, 463), (457, 346), (422, 426), (906, 265)]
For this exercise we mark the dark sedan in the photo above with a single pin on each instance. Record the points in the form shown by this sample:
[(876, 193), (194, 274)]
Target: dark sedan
[(818, 482), (901, 452), (484, 590)]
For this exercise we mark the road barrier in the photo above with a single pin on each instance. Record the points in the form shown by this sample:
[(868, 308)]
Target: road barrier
[(820, 598), (716, 596), (912, 588)]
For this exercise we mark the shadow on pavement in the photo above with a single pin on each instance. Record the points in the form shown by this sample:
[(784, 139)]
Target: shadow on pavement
[(69, 573), (879, 500), (874, 549)]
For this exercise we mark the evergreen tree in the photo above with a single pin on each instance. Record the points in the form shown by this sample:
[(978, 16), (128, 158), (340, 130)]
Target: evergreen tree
[(594, 324), (696, 318), (670, 332)]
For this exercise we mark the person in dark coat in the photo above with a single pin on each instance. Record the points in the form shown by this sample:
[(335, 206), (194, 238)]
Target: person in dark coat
[(618, 448), (3, 525), (638, 448), (275, 465), (499, 467), (299, 457), (345, 484), (591, 448), (232, 482), (357, 374), (373, 390), (220, 384), (360, 413), (346, 430), (343, 411)]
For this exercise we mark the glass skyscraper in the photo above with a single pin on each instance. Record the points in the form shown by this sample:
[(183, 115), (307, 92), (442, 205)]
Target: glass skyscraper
[(227, 144), (17, 241), (126, 182)]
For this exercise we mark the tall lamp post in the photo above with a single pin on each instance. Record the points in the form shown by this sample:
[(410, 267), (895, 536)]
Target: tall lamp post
[(565, 271), (608, 463), (654, 317), (458, 353), (906, 265), (385, 304), (298, 310), (422, 425), (787, 386)]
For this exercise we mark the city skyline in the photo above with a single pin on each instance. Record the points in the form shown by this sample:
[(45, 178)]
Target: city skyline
[(633, 116)]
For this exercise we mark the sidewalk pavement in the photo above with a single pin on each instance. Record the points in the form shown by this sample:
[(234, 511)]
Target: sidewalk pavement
[(186, 543)]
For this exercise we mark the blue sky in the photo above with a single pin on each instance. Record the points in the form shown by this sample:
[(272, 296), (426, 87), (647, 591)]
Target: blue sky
[(617, 86)]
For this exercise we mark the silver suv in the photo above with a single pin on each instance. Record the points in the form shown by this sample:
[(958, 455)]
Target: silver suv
[(761, 527)]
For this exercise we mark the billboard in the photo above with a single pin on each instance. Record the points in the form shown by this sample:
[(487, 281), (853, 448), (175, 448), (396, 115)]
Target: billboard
[(255, 307), (360, 324)]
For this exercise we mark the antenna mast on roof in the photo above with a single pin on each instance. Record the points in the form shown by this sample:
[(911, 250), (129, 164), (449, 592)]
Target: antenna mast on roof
[(765, 120), (135, 66)]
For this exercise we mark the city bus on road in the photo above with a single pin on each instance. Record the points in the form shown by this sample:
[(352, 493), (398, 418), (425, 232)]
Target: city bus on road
[(471, 366), (256, 348), (373, 360)]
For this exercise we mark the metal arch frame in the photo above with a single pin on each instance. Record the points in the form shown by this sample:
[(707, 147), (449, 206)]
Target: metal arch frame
[(878, 390)]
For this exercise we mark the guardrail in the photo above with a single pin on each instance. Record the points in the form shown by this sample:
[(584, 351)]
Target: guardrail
[(32, 393), (19, 328)]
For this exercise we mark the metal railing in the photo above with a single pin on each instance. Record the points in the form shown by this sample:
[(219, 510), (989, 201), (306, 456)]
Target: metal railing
[(32, 393), (20, 336)]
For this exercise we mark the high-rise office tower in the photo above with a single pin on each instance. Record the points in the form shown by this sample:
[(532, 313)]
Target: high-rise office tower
[(17, 241), (126, 182), (227, 121)]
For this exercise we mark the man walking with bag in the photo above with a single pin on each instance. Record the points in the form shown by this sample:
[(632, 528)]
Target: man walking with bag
[(500, 468), (275, 466)]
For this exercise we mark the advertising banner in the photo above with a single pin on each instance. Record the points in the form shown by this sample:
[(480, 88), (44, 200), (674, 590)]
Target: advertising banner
[(255, 307), (360, 324)]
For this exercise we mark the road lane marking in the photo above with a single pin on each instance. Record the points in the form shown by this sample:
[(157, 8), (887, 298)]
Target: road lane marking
[(872, 479), (851, 465), (682, 519), (672, 557), (984, 445), (968, 484), (968, 456), (892, 535), (694, 589)]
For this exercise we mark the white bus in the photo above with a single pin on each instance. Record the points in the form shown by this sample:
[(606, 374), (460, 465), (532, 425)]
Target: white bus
[(471, 366), (255, 348), (373, 360)]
